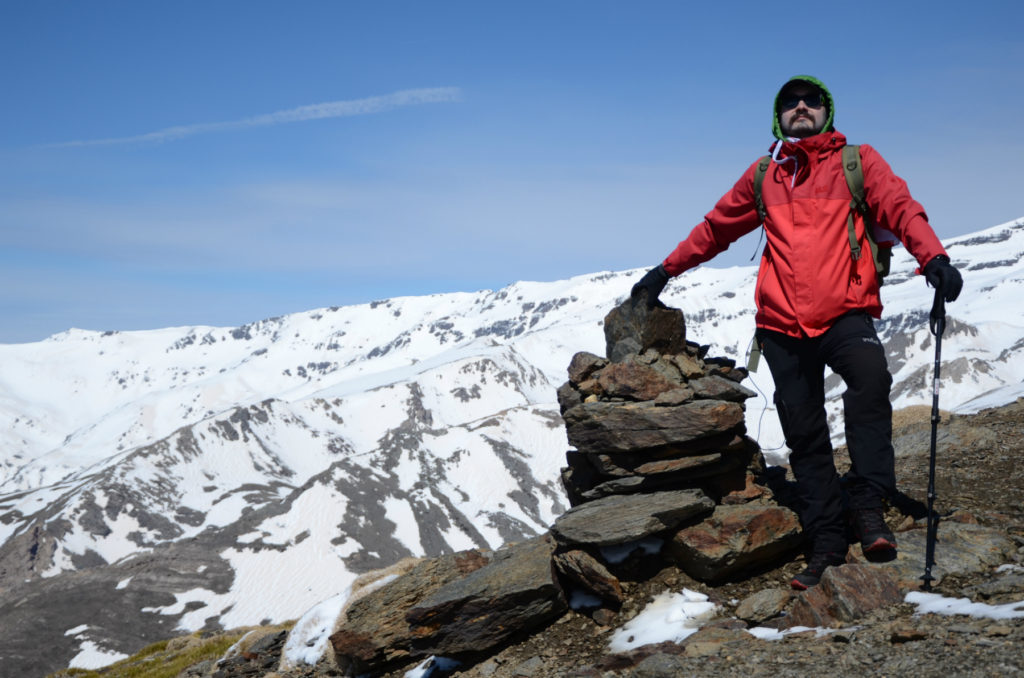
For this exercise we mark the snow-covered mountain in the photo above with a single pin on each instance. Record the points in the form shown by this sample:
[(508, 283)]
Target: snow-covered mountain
[(201, 476)]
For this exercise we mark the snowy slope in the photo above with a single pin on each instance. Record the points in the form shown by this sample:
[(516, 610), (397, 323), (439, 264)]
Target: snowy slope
[(272, 463)]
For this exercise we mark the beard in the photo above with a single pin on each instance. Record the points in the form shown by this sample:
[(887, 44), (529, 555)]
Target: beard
[(801, 127)]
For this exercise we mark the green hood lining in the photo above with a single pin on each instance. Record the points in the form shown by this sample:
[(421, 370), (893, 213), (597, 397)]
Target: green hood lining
[(829, 104)]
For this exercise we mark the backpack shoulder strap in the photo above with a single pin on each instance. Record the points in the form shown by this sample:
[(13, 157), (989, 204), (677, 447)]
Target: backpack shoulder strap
[(853, 169), (855, 182), (762, 169), (854, 177)]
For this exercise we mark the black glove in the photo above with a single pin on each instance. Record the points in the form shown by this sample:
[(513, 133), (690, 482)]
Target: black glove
[(652, 283), (941, 275)]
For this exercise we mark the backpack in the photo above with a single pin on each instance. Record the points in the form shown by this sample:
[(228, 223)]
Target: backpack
[(854, 172)]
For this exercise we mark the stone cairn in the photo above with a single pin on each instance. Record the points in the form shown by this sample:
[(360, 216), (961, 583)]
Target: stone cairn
[(661, 452), (662, 470), (656, 413)]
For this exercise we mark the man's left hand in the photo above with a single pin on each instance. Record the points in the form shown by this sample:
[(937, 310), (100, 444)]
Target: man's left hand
[(944, 277)]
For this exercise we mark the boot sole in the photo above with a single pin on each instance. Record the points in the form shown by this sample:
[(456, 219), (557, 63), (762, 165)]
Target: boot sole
[(880, 544)]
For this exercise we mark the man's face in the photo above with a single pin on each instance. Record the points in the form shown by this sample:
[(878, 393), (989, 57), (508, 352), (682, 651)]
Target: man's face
[(801, 111)]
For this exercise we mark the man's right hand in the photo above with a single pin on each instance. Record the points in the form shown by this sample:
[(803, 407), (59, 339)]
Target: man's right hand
[(652, 283)]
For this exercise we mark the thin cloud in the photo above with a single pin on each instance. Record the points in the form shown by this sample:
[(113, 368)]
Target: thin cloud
[(328, 109)]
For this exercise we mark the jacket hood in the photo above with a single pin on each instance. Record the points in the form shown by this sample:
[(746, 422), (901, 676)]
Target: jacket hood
[(829, 105)]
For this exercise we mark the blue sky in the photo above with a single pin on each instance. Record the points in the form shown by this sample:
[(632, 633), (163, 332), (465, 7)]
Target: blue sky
[(221, 162)]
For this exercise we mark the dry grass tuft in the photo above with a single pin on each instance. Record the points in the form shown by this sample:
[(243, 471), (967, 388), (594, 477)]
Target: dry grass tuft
[(916, 414), (168, 658)]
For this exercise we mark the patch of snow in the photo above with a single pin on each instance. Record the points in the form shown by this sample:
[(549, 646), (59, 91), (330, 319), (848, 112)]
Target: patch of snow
[(431, 664), (183, 598), (936, 604), (669, 617), (765, 633), (307, 640), (92, 656), (233, 650)]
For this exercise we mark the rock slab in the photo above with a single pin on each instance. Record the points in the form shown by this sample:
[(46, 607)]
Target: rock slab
[(628, 427), (619, 519), (376, 635), (514, 593)]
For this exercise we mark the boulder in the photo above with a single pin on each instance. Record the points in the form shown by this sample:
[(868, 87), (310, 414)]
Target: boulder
[(513, 594), (626, 427), (844, 594), (631, 328), (733, 539), (624, 518)]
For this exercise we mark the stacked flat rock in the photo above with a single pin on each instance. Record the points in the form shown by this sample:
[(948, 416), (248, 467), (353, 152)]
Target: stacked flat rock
[(656, 413)]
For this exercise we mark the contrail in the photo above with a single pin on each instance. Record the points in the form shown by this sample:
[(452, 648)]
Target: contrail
[(328, 109)]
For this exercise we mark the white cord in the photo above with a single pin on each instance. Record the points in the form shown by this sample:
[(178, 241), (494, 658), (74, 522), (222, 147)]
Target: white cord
[(760, 420)]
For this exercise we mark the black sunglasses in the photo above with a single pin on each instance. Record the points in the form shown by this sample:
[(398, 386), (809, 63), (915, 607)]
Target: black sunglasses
[(791, 101)]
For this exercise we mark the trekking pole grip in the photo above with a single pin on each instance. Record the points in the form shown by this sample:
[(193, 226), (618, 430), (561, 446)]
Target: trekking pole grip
[(937, 317)]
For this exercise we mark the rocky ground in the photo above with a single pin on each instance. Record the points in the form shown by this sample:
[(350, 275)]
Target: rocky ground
[(979, 480), (978, 476)]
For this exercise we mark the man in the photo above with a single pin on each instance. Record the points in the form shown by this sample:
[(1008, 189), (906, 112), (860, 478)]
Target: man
[(815, 304)]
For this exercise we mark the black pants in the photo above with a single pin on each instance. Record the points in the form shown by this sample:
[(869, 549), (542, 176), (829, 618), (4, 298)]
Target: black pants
[(852, 349)]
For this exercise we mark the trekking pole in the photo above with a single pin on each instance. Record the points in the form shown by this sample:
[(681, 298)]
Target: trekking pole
[(937, 323)]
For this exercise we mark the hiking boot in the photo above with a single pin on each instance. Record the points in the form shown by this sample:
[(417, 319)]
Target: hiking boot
[(874, 535), (816, 567)]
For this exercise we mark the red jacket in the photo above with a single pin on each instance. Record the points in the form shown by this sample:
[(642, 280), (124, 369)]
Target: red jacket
[(807, 277)]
